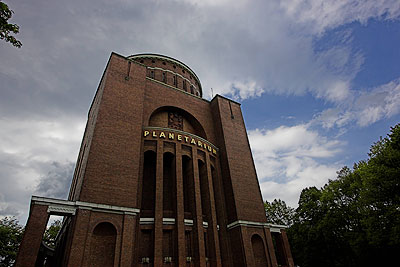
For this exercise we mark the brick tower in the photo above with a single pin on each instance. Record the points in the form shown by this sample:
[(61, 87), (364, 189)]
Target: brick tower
[(163, 178)]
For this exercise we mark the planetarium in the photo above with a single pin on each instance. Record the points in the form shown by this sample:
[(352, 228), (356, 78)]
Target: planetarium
[(163, 177)]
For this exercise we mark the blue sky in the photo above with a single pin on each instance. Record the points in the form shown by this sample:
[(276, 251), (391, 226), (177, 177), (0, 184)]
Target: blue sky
[(319, 81)]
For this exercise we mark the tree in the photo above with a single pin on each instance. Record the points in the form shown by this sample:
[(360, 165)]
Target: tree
[(279, 213), (10, 238), (353, 220), (7, 28), (51, 232), (381, 198)]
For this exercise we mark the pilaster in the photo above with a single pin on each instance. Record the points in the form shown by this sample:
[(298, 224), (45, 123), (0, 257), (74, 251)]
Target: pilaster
[(198, 216), (270, 245), (158, 212), (180, 212), (286, 246), (212, 219), (33, 236), (80, 248), (128, 239)]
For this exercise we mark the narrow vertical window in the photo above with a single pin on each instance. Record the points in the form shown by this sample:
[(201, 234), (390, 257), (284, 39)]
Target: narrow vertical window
[(164, 77), (152, 74), (184, 85), (191, 89), (175, 81)]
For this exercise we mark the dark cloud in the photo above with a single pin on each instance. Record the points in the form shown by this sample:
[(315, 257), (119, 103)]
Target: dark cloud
[(57, 181)]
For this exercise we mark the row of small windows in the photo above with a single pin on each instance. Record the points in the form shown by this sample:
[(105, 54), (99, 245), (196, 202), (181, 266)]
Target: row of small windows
[(183, 71), (175, 82)]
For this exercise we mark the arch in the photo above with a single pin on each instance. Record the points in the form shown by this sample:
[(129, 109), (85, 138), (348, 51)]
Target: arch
[(102, 245), (257, 245), (159, 118)]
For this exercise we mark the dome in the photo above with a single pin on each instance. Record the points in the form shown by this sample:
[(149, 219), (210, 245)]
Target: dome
[(171, 72)]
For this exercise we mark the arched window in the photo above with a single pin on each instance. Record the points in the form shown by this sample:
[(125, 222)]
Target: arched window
[(149, 183), (165, 117), (169, 184), (188, 193), (204, 192), (102, 245), (258, 251)]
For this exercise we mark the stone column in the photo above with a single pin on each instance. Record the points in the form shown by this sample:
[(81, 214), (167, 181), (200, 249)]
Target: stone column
[(180, 212), (33, 236), (158, 210)]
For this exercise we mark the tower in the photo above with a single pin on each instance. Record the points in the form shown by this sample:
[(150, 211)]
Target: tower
[(163, 178)]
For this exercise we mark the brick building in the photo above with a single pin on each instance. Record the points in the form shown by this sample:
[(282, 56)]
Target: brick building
[(163, 178)]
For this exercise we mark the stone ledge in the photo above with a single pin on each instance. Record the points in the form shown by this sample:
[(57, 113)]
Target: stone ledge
[(66, 207), (272, 227)]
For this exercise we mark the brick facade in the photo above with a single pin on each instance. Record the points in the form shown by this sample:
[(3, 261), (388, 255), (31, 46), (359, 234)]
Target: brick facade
[(163, 178)]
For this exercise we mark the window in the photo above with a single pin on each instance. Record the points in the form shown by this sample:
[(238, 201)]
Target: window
[(164, 77), (191, 89), (152, 74), (184, 85), (175, 83)]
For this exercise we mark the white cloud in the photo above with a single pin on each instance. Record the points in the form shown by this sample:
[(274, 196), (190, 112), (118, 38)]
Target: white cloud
[(248, 89), (313, 175), (382, 101), (288, 159), (42, 139), (320, 15), (364, 108)]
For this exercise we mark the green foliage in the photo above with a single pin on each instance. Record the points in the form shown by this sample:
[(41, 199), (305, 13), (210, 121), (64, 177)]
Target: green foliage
[(353, 220), (10, 238), (51, 232), (6, 28), (279, 213)]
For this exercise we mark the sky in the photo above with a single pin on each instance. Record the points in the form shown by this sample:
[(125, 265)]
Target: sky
[(318, 80)]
